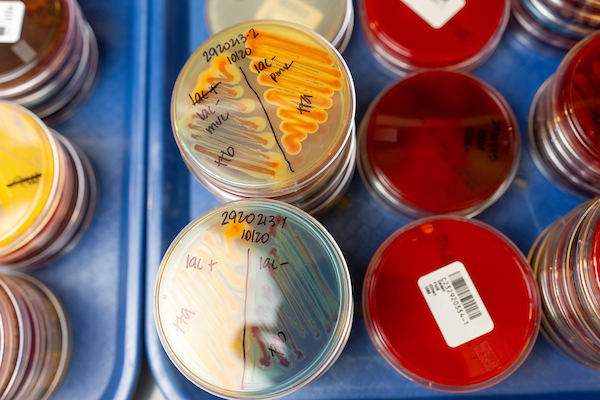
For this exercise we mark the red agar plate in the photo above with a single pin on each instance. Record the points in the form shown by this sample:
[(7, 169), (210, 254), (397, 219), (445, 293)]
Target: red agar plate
[(451, 304)]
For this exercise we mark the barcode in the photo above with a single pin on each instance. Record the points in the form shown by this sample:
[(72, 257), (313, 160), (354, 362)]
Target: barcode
[(2, 30), (464, 295)]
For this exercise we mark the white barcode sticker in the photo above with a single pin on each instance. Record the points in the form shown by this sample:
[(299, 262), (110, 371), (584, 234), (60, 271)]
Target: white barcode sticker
[(455, 304), (12, 14), (435, 12)]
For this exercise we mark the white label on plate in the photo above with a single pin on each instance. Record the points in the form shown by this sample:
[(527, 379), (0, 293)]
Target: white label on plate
[(292, 11), (455, 304), (12, 14), (436, 12)]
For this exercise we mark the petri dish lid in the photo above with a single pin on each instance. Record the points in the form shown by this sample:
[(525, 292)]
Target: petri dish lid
[(33, 33), (29, 175), (331, 19), (457, 330), (439, 142), (263, 108), (253, 300), (577, 94), (425, 34)]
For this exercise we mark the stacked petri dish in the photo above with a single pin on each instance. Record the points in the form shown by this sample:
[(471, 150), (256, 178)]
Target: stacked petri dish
[(438, 142), (265, 109), (565, 258), (564, 122), (253, 299), (557, 23), (47, 193), (35, 338), (436, 306), (333, 19), (48, 57), (416, 35)]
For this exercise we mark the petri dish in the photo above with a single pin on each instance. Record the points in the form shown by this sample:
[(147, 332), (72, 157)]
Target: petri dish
[(59, 336), (31, 366), (45, 57), (25, 341), (537, 36), (47, 191), (414, 35), (72, 96), (564, 130), (30, 175), (36, 42), (438, 142), (39, 336), (11, 342), (546, 15), (253, 300), (583, 15), (558, 24), (566, 269), (457, 331), (333, 19), (264, 109)]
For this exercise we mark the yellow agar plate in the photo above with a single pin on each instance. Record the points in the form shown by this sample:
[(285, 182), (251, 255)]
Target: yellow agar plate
[(263, 108), (28, 166)]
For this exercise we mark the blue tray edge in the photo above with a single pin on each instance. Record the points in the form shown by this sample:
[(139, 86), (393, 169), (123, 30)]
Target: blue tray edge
[(124, 379)]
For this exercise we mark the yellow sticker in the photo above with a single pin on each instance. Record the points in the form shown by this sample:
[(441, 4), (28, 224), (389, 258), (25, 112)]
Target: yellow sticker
[(28, 167)]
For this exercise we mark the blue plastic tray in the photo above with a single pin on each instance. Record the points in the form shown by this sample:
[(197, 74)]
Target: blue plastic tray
[(175, 198), (100, 281)]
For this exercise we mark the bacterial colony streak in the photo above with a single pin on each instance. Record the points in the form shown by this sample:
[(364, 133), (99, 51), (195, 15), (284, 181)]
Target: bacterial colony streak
[(268, 119)]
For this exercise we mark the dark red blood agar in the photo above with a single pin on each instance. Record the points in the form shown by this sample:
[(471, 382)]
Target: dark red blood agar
[(402, 325), (406, 38), (578, 97), (440, 142)]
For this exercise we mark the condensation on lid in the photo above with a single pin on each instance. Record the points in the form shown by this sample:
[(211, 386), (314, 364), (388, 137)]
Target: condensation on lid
[(253, 300), (263, 108)]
